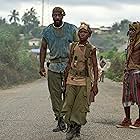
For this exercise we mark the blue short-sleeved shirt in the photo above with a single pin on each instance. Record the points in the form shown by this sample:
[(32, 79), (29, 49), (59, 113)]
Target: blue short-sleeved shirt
[(58, 40)]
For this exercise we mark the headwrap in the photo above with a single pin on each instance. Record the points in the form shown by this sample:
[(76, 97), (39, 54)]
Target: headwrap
[(86, 27), (135, 26), (58, 9)]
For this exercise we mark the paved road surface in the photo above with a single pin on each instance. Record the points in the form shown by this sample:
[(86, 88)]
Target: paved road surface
[(25, 114)]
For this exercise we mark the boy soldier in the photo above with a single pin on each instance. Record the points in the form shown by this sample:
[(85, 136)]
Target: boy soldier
[(81, 77)]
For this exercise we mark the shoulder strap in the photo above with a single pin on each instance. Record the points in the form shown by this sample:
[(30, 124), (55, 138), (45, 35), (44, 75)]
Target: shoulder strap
[(88, 50), (73, 45)]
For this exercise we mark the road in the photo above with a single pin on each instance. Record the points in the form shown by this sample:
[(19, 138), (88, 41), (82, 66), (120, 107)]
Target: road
[(25, 114)]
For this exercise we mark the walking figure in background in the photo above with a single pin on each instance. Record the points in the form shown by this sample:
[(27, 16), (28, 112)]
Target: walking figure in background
[(102, 64), (56, 37), (81, 77), (131, 83)]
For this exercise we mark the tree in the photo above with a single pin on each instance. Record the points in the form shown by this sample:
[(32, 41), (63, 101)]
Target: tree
[(2, 21), (30, 20), (115, 27), (16, 63), (36, 32), (14, 17), (124, 25)]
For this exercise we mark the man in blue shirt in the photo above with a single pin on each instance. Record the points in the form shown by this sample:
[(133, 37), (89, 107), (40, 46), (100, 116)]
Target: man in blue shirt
[(57, 38)]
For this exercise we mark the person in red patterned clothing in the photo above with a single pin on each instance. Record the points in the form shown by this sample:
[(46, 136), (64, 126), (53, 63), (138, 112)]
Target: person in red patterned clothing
[(131, 83)]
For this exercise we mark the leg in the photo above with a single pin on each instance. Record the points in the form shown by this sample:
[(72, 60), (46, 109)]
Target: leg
[(80, 107), (127, 112), (77, 134), (136, 87), (137, 122), (69, 102), (100, 78), (71, 91), (73, 132), (55, 88), (126, 99), (127, 121), (139, 112), (78, 112), (103, 75), (54, 85)]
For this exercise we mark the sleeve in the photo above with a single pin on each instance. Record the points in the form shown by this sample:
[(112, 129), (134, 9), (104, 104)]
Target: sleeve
[(45, 33), (75, 34)]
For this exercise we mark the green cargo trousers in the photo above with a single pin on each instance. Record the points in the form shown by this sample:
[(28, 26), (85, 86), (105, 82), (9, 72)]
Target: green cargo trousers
[(56, 93), (76, 104)]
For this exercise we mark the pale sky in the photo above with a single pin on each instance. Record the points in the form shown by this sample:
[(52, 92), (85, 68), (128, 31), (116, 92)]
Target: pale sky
[(95, 12)]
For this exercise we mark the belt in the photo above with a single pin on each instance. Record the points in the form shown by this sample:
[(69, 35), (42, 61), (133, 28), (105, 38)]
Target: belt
[(58, 60), (78, 73)]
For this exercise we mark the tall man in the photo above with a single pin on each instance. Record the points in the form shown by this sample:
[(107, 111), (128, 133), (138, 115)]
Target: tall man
[(56, 37), (131, 83)]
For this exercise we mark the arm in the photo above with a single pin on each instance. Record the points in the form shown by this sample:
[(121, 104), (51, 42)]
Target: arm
[(43, 50), (75, 34), (66, 72), (68, 63), (95, 65), (95, 70)]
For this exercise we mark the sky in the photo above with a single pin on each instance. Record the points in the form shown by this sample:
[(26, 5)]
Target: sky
[(95, 12)]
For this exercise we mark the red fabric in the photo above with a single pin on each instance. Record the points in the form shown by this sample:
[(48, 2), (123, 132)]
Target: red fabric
[(131, 87)]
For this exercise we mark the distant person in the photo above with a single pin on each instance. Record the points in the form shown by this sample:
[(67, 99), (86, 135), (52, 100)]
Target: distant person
[(131, 83), (34, 46), (81, 88), (56, 37), (102, 64)]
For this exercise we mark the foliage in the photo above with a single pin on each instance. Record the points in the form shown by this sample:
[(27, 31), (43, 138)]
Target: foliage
[(12, 29), (2, 21), (115, 72), (115, 27), (17, 65), (116, 37), (14, 17), (109, 44), (30, 20), (36, 32)]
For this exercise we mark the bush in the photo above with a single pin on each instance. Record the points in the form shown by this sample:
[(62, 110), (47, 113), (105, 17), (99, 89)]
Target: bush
[(115, 72), (16, 63)]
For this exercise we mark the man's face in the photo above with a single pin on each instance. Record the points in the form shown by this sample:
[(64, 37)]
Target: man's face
[(57, 18), (83, 34)]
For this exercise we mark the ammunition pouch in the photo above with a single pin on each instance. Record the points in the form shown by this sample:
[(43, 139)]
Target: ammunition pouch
[(74, 72)]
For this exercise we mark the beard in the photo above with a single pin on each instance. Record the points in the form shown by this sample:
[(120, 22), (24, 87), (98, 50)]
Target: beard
[(57, 23)]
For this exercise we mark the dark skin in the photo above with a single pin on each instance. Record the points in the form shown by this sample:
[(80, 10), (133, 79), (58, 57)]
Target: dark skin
[(42, 57), (57, 18), (95, 69), (127, 112), (132, 35), (83, 37)]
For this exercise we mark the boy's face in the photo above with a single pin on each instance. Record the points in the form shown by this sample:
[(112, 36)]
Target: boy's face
[(83, 34)]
